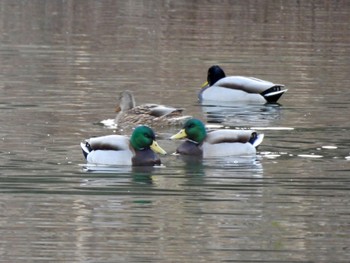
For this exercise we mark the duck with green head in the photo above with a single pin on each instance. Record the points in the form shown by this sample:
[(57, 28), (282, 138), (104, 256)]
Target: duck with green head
[(138, 150), (238, 88), (216, 143)]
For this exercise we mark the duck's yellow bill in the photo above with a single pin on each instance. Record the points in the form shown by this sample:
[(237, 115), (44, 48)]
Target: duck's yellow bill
[(180, 135), (205, 84), (156, 148)]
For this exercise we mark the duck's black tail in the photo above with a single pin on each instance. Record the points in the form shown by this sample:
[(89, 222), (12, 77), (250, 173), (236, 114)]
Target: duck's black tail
[(86, 148), (273, 94), (256, 139)]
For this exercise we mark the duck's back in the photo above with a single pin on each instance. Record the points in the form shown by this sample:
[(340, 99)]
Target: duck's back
[(246, 84), (220, 136), (109, 142), (153, 115)]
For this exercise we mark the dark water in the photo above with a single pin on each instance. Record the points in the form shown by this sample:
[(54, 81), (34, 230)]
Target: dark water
[(62, 64)]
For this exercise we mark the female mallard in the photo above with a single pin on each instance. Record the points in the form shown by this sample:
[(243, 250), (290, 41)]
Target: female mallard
[(138, 150), (216, 143), (237, 88), (153, 115)]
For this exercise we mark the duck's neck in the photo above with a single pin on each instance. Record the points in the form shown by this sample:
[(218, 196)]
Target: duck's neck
[(117, 118), (192, 141)]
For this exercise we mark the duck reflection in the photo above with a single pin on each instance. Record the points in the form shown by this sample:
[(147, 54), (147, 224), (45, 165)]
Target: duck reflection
[(193, 165), (121, 175), (247, 167), (236, 114), (224, 166)]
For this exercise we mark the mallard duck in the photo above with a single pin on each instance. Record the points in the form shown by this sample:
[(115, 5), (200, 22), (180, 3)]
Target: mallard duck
[(153, 115), (138, 150), (216, 143), (237, 88)]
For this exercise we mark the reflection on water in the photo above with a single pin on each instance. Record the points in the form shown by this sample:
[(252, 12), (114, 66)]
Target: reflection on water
[(243, 114), (62, 64)]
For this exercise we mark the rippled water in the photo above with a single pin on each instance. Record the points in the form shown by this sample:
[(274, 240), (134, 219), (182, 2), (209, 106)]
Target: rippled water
[(62, 64)]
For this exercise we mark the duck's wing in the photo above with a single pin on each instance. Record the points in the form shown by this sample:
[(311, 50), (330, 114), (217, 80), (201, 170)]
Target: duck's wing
[(247, 84), (109, 142), (157, 110), (229, 136)]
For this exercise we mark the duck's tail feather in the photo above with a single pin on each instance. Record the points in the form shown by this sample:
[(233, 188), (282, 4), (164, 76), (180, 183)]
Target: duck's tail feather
[(256, 139), (273, 94), (86, 148)]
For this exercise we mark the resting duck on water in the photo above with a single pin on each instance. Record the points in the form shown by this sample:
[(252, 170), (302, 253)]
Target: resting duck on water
[(238, 88), (217, 143), (153, 115), (138, 150)]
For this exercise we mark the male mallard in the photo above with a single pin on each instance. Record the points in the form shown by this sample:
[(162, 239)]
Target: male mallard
[(237, 88), (138, 150), (216, 143), (154, 115)]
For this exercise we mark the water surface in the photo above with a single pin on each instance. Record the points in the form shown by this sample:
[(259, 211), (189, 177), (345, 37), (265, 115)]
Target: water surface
[(62, 65)]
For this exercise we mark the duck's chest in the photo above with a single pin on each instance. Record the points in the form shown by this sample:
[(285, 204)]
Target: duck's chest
[(190, 148), (145, 158)]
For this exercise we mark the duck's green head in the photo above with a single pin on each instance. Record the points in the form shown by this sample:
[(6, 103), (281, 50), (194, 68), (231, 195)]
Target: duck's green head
[(143, 137), (215, 73), (193, 129)]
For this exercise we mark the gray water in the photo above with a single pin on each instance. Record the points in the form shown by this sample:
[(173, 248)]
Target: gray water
[(62, 65)]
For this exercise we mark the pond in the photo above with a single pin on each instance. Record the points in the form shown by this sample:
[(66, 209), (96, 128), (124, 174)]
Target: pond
[(62, 66)]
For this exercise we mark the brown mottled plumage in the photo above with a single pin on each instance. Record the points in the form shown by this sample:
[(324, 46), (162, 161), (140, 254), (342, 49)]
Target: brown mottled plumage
[(153, 115)]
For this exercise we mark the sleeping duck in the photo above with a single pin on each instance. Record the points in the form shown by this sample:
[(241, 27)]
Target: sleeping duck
[(153, 115), (237, 88), (138, 150), (216, 143)]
